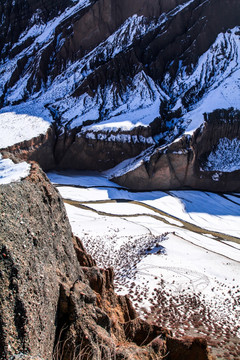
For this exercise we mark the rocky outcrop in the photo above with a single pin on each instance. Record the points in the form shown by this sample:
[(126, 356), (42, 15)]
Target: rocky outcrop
[(82, 150), (16, 16), (100, 150), (39, 149), (186, 163), (54, 301)]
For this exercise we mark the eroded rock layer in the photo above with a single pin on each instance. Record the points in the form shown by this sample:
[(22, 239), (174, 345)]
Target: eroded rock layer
[(206, 160)]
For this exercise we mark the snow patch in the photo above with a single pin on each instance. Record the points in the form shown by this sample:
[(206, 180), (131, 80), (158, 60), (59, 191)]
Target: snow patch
[(10, 172), (129, 164), (225, 157), (122, 138), (21, 125)]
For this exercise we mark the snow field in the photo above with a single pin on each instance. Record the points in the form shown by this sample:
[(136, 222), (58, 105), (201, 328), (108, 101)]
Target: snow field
[(178, 275), (22, 123)]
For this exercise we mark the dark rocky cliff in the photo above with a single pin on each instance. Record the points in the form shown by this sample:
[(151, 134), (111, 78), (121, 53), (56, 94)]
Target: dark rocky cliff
[(54, 301)]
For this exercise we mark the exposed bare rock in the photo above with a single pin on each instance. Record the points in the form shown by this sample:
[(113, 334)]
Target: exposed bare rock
[(184, 163), (35, 258), (40, 149), (82, 150), (100, 150), (84, 259)]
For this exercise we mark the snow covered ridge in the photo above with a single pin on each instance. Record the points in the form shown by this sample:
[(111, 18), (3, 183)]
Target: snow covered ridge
[(112, 105), (43, 33), (141, 100), (138, 105), (65, 83), (10, 172), (212, 84), (213, 67)]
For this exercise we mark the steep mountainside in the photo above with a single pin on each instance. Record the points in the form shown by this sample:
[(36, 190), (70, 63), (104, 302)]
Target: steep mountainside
[(115, 77), (54, 302)]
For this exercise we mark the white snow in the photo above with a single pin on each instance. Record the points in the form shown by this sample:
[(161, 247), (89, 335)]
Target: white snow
[(86, 223), (10, 172), (225, 157), (43, 32), (22, 122), (138, 106), (80, 178), (225, 96), (116, 137), (204, 209), (176, 245), (129, 164)]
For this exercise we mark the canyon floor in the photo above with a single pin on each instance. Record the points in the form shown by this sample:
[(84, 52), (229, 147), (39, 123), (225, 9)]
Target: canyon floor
[(176, 253)]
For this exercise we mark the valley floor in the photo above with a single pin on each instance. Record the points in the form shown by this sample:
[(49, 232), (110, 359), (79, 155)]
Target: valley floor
[(176, 253)]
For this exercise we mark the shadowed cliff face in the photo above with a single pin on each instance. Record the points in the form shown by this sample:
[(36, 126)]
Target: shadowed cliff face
[(54, 302)]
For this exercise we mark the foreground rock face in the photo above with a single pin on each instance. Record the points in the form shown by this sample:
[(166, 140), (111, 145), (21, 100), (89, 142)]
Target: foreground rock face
[(54, 301), (187, 164)]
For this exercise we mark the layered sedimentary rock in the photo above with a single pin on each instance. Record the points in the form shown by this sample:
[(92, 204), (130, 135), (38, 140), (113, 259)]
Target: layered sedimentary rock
[(206, 160), (90, 150), (54, 301)]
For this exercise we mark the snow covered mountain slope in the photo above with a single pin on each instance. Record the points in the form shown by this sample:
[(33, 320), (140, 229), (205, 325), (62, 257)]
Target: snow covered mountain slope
[(114, 78)]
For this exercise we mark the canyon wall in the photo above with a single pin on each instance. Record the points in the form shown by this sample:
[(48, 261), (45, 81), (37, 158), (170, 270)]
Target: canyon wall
[(207, 160)]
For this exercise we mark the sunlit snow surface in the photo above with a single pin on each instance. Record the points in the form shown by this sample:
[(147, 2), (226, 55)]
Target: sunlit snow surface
[(10, 172), (22, 122), (181, 247)]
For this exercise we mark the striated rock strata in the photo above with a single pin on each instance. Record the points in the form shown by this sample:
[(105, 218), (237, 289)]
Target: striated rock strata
[(82, 151), (186, 163), (54, 301)]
